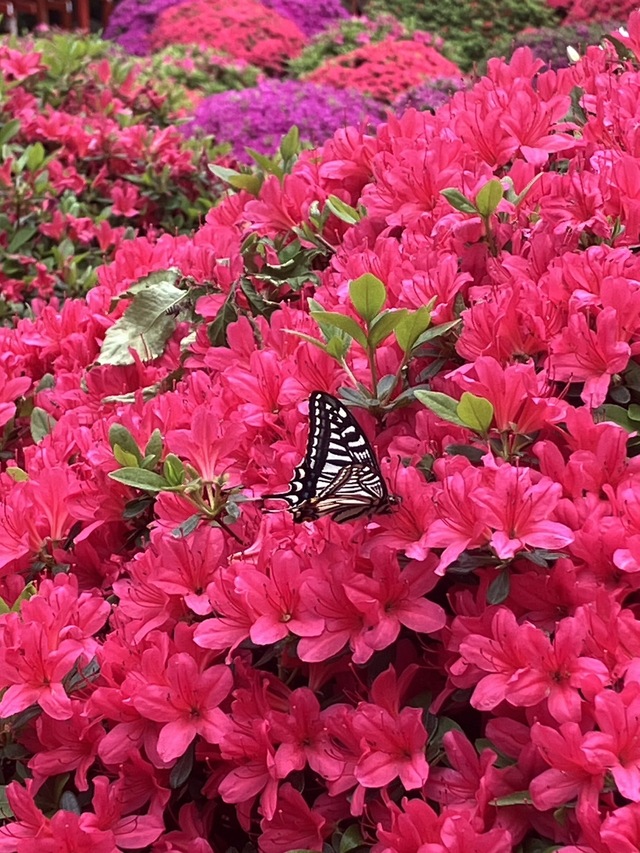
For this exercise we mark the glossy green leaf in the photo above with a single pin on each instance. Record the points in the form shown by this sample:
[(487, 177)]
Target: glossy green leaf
[(475, 412), (139, 478), (41, 424), (341, 321), (119, 436), (173, 470), (384, 325), (458, 201), (342, 210), (489, 198), (368, 295), (413, 324)]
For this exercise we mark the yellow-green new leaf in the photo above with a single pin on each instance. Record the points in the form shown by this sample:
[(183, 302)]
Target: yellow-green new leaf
[(412, 325), (127, 460), (475, 412), (489, 198), (368, 295)]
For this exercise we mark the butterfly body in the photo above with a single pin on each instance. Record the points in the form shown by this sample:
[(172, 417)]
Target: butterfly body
[(339, 475)]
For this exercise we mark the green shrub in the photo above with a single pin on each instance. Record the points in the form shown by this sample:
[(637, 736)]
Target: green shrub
[(470, 27)]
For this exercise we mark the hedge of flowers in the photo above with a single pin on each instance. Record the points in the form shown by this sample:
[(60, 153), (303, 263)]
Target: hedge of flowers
[(345, 36), (259, 117), (550, 43), (469, 27), (593, 10), (131, 22), (310, 18), (386, 69), (245, 31), (182, 670), (88, 155), (429, 96)]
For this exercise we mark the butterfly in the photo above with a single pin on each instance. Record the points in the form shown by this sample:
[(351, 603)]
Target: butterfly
[(339, 475)]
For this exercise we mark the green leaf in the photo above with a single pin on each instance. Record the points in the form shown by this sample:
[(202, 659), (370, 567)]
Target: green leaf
[(489, 198), (499, 588), (8, 131), (342, 210), (368, 295), (412, 325), (35, 156), (182, 769), (41, 424), (69, 803), (237, 180), (458, 201), (290, 145), (341, 321), (139, 478), (146, 325), (173, 470), (5, 808), (517, 798), (475, 412), (634, 412), (127, 460), (436, 332), (17, 474), (119, 436), (217, 330), (351, 839), (441, 404), (384, 325), (22, 236), (337, 347), (267, 164), (619, 416), (154, 446)]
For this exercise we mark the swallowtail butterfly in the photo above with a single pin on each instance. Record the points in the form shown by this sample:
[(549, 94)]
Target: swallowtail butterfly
[(339, 475)]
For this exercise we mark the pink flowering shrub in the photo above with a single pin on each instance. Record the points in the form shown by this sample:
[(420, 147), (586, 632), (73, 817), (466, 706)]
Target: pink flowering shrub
[(183, 670), (246, 31), (88, 156), (385, 69), (593, 10)]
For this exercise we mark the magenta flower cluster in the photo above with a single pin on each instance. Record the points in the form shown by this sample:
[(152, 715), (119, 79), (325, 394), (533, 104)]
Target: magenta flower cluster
[(260, 116), (132, 22), (311, 18)]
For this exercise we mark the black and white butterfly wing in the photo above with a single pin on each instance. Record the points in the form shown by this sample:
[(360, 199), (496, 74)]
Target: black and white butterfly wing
[(339, 475)]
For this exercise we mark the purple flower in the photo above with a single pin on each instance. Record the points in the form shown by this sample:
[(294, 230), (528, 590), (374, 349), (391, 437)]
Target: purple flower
[(259, 117), (310, 17), (132, 21)]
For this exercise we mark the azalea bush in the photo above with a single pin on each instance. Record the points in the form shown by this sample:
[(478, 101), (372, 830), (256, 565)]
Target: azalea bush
[(593, 10), (182, 669), (246, 31), (259, 117), (469, 27), (311, 18), (187, 73), (550, 43), (386, 69), (88, 156), (429, 96), (131, 22), (346, 36)]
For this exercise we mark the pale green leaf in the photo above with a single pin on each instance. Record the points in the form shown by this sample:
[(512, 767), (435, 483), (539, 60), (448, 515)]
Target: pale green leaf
[(489, 198), (139, 478), (440, 404), (413, 324), (475, 412), (368, 295), (340, 321)]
